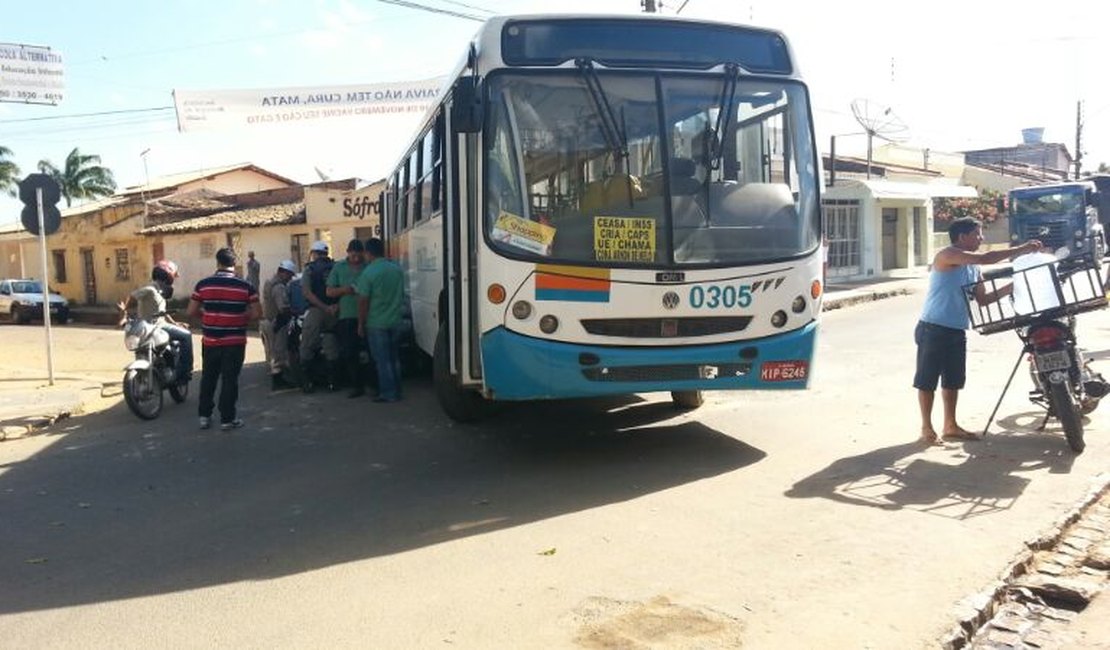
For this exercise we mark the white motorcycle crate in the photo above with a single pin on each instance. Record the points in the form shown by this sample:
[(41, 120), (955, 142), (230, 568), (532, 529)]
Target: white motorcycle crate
[(1043, 288)]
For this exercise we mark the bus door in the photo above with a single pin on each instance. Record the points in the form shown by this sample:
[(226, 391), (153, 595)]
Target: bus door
[(461, 234)]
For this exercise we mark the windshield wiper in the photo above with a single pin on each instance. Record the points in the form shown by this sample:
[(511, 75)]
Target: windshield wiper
[(724, 117), (615, 136)]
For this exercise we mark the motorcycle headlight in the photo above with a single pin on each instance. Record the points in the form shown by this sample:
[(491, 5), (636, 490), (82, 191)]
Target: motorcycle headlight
[(135, 332)]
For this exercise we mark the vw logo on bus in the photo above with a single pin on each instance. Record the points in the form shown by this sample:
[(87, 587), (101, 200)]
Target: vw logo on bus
[(670, 300)]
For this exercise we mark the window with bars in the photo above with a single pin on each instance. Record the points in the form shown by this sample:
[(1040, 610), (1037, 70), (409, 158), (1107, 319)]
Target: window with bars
[(123, 264), (842, 229), (59, 257)]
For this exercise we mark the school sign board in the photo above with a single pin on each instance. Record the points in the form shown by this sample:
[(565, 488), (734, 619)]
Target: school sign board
[(31, 74), (210, 110)]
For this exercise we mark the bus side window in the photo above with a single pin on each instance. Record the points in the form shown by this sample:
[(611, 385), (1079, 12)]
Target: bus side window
[(437, 165)]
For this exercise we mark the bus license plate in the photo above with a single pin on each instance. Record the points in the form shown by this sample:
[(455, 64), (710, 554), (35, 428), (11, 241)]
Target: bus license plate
[(783, 370), (1049, 361)]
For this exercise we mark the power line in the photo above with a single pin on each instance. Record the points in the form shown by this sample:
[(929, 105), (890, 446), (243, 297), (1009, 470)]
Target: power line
[(434, 10), (463, 4), (66, 117)]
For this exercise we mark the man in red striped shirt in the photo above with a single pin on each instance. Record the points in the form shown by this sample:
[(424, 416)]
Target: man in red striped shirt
[(226, 304)]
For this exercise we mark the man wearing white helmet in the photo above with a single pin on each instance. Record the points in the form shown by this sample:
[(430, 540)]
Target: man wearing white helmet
[(320, 318), (274, 326)]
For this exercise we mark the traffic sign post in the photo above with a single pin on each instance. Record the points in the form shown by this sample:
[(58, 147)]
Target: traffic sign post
[(39, 193)]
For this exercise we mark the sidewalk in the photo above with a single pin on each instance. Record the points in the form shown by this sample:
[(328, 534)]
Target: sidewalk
[(28, 403), (846, 293)]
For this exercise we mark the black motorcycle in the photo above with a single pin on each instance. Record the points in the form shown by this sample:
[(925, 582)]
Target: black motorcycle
[(1047, 299), (153, 370)]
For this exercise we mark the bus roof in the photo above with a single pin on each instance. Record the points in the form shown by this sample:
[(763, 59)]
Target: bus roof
[(486, 46)]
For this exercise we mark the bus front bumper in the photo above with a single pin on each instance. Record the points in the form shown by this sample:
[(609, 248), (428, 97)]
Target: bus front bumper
[(520, 367)]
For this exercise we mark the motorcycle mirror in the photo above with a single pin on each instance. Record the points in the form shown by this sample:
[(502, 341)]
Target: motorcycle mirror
[(1062, 253)]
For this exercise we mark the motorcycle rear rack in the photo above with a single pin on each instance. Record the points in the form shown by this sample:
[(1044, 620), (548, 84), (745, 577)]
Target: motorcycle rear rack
[(1078, 287)]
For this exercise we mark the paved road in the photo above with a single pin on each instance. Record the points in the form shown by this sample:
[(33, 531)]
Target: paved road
[(774, 520)]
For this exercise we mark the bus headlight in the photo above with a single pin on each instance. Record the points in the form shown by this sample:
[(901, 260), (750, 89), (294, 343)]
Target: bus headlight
[(778, 319), (522, 309), (548, 324), (799, 305)]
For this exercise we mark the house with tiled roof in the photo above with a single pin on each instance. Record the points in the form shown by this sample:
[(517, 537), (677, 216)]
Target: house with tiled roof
[(105, 248)]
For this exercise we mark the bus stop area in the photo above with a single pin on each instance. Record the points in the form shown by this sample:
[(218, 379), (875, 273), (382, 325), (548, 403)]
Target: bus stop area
[(85, 382)]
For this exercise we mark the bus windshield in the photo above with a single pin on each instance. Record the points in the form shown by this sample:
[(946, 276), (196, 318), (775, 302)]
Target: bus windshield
[(633, 169)]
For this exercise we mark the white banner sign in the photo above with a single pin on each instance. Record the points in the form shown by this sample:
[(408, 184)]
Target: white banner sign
[(207, 110), (30, 74)]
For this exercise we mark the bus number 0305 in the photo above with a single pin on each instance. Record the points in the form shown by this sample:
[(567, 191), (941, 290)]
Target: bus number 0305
[(717, 296)]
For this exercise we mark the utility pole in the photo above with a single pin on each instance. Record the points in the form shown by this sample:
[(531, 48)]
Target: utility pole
[(648, 5), (1078, 138)]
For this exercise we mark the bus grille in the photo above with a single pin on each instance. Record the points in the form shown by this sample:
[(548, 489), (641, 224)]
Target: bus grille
[(675, 372), (657, 328), (1053, 234)]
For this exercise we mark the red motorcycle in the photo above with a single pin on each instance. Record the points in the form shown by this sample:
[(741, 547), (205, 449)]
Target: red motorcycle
[(1047, 296)]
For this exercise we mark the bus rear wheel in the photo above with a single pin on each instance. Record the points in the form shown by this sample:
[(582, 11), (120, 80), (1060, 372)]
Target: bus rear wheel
[(460, 404), (687, 400)]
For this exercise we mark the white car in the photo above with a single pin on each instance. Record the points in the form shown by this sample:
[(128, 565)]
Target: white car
[(21, 301)]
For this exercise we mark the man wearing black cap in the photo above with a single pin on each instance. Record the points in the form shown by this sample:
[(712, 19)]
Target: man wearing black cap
[(341, 285)]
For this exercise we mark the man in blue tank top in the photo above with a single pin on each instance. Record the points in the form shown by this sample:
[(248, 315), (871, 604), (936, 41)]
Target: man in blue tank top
[(941, 332)]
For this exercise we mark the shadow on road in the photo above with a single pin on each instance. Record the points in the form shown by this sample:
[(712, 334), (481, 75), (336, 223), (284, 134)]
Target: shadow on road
[(119, 508), (956, 481)]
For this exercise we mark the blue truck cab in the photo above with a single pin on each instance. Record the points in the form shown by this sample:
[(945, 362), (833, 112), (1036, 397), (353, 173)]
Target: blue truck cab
[(1059, 215)]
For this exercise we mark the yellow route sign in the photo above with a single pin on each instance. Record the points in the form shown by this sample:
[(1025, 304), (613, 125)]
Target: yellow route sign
[(624, 239)]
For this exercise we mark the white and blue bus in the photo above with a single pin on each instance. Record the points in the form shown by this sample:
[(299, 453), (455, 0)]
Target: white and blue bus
[(607, 205)]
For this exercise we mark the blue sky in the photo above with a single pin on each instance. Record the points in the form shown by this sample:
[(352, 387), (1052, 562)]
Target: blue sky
[(961, 74)]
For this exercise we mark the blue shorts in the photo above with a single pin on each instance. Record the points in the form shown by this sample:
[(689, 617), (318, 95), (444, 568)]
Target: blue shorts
[(941, 354)]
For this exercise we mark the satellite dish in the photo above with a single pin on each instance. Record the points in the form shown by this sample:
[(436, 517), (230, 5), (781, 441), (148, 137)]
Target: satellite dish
[(878, 121)]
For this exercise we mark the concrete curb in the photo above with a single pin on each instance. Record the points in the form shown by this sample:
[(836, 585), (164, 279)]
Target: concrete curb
[(858, 296), (975, 611), (36, 406)]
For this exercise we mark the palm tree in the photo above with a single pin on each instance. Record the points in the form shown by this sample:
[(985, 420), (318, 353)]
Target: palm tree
[(82, 178), (9, 173)]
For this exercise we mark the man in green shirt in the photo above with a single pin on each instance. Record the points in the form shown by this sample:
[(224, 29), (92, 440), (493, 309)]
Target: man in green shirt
[(381, 291), (341, 284)]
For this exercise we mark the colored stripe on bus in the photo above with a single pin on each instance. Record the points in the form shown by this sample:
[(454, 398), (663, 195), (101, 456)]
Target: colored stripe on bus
[(574, 271), (571, 283), (571, 295), (545, 281)]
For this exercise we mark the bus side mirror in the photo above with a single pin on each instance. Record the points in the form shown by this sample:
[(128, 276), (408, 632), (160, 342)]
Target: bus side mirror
[(466, 105), (1000, 205)]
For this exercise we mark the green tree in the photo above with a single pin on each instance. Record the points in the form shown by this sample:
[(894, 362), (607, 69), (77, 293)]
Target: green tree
[(9, 173), (984, 208), (82, 178)]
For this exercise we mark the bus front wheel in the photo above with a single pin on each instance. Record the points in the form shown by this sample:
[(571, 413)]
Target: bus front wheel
[(687, 399), (460, 404)]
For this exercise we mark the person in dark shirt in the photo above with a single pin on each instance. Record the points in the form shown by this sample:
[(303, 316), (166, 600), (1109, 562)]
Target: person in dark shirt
[(320, 318), (226, 304)]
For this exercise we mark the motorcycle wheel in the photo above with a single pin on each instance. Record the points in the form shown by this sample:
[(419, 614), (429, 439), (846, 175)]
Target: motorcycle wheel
[(1067, 412), (143, 393), (179, 392)]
